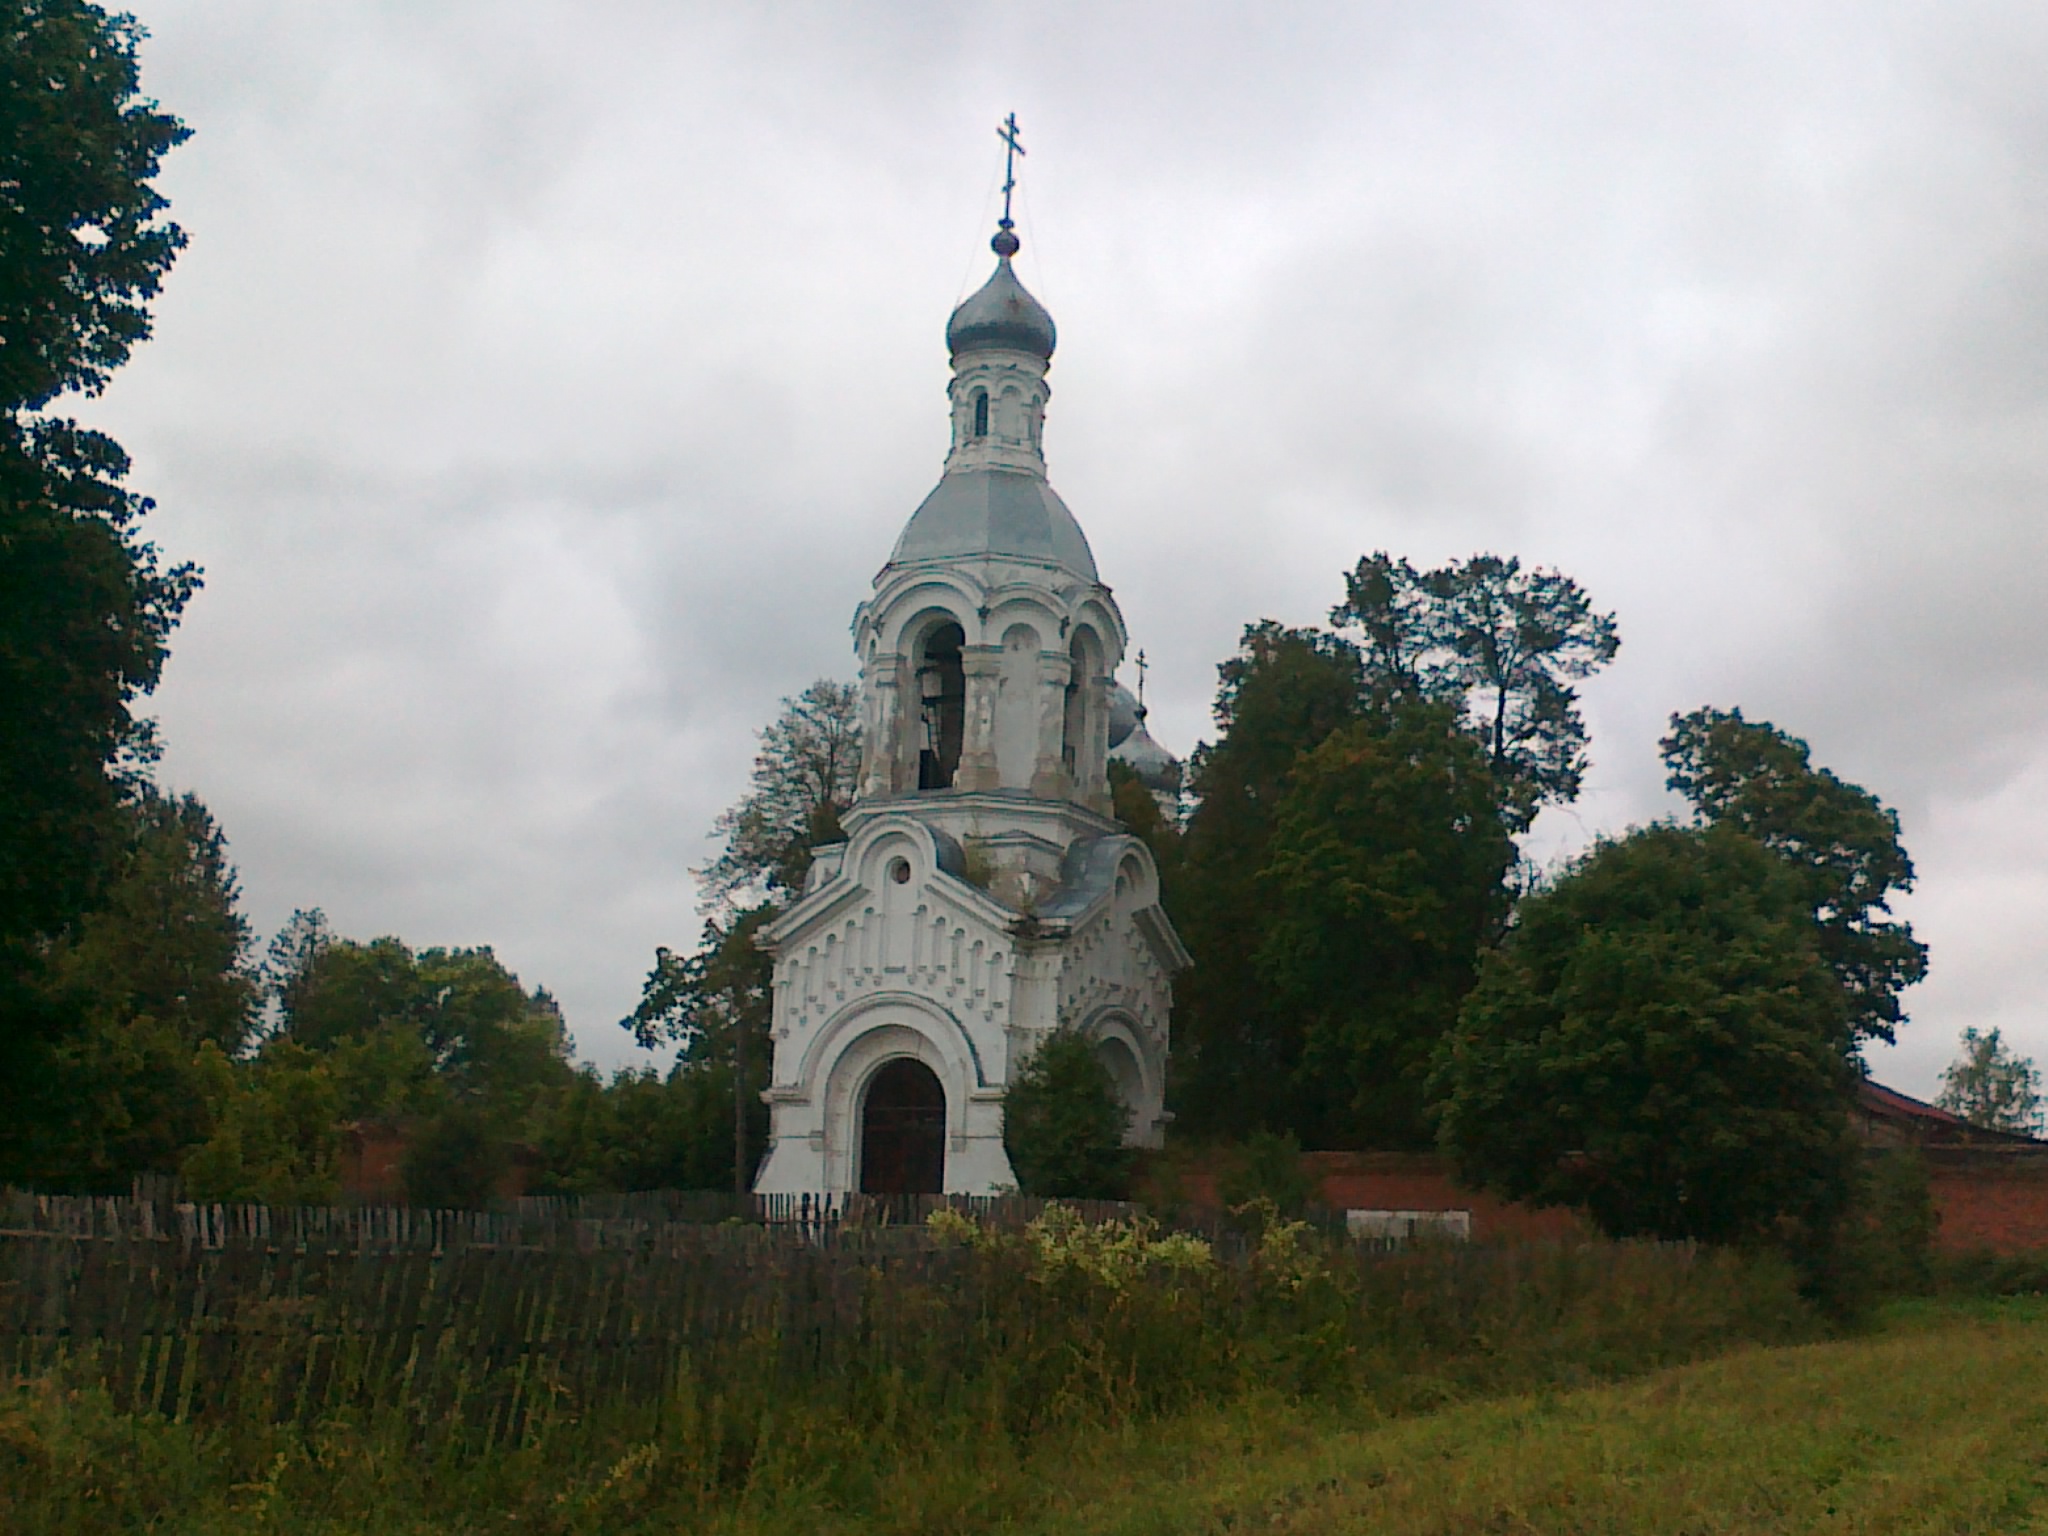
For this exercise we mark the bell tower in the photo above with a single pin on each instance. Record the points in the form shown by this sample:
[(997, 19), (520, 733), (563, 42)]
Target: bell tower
[(985, 896)]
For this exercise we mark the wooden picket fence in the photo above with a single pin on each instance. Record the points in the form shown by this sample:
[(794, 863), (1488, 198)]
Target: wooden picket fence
[(582, 1222), (475, 1319)]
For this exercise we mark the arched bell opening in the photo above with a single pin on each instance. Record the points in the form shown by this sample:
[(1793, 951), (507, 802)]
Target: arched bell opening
[(1084, 665), (903, 1130), (942, 706)]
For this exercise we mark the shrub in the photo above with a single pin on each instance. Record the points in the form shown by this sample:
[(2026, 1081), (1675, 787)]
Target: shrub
[(1983, 1272), (1267, 1168), (1879, 1244), (453, 1161), (1063, 1124)]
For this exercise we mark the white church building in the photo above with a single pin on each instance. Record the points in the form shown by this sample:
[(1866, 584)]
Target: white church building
[(984, 896)]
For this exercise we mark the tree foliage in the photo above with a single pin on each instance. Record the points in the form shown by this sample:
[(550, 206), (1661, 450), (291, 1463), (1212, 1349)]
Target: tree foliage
[(85, 605), (1266, 1171), (158, 969), (443, 1045), (1841, 840), (82, 249), (804, 779), (277, 1127), (716, 1005), (456, 1015), (1133, 806), (1064, 1125), (1235, 1052), (1382, 880), (168, 940), (1991, 1085), (643, 1130), (1503, 645), (1658, 1041)]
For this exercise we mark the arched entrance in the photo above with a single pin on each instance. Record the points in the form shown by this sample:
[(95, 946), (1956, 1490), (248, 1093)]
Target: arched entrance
[(903, 1131)]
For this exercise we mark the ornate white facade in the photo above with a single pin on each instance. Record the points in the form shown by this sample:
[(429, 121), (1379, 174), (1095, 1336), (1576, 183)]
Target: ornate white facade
[(984, 896)]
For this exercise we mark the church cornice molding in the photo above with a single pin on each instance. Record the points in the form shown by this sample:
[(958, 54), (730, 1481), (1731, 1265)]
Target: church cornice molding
[(985, 579), (1005, 803)]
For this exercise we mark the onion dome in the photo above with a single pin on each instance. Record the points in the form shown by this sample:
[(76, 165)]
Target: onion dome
[(1123, 714), (1001, 314), (1157, 769)]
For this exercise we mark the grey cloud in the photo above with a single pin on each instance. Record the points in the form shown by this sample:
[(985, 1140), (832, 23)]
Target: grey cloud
[(545, 383)]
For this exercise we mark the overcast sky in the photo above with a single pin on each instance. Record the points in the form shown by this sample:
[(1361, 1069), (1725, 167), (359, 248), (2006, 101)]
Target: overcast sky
[(544, 385)]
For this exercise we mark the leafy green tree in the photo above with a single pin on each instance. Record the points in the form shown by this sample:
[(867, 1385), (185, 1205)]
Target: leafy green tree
[(1383, 878), (168, 941), (444, 1042), (716, 1005), (1842, 841), (1235, 1051), (1132, 804), (804, 780), (1658, 1041), (1064, 1125), (1502, 644), (1991, 1085), (641, 1131), (157, 969), (486, 1039), (85, 605), (277, 1123)]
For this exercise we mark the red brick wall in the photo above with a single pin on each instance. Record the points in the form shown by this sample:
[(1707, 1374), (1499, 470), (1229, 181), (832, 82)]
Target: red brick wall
[(1403, 1181), (1990, 1199), (370, 1155), (1995, 1199)]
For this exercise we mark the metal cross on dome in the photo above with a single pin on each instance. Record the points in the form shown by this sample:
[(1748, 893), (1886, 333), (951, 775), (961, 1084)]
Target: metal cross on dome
[(1142, 668), (1006, 130)]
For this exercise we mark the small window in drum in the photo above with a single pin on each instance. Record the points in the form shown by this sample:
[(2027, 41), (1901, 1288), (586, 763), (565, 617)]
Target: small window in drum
[(899, 871), (981, 415)]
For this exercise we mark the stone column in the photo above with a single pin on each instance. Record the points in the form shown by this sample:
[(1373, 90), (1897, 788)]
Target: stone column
[(882, 749), (1049, 776), (1093, 788), (981, 666)]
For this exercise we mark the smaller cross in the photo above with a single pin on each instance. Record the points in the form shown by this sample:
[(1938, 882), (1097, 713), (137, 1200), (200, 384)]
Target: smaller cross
[(1006, 130), (1141, 677)]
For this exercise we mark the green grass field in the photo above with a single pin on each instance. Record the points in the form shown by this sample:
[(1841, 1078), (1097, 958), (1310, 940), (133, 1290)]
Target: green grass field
[(1937, 1424)]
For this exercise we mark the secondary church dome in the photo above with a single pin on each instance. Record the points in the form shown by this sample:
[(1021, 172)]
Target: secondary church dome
[(1123, 714), (1001, 314), (1157, 769)]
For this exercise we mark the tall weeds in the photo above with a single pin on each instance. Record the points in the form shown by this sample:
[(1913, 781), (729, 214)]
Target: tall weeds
[(951, 1374)]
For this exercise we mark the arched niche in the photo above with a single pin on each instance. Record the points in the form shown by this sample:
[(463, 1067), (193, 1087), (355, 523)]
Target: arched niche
[(1121, 1062)]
